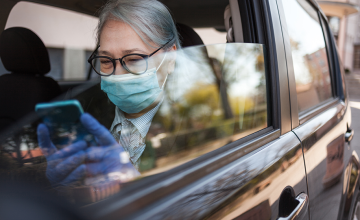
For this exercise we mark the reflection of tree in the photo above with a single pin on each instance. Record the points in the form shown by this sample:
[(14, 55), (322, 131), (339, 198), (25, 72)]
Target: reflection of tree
[(20, 146), (201, 105), (222, 86), (21, 158), (196, 205), (205, 102)]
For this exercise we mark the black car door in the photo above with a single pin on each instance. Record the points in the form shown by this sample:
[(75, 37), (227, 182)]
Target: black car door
[(319, 109)]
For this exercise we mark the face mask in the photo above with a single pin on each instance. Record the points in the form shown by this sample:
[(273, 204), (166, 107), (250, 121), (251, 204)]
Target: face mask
[(133, 93)]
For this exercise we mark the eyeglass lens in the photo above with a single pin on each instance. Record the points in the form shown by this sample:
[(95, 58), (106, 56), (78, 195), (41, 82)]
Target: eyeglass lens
[(133, 63)]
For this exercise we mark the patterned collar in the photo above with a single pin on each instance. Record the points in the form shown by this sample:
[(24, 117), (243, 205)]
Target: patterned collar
[(142, 123)]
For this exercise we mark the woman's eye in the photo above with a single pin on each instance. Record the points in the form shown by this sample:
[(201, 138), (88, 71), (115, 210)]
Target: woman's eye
[(135, 60), (105, 61)]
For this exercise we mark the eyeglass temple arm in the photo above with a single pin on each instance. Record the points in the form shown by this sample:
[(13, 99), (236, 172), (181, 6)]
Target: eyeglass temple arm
[(160, 47), (93, 53)]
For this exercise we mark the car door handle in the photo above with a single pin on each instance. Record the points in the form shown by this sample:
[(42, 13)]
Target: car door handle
[(300, 210), (349, 135)]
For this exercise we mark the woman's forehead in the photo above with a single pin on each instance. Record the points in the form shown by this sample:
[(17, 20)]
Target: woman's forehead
[(117, 35), (118, 30)]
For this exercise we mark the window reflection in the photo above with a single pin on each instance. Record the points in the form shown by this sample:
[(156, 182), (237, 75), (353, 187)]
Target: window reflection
[(309, 56), (216, 95)]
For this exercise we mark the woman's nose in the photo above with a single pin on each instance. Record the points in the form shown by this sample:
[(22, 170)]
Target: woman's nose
[(119, 70)]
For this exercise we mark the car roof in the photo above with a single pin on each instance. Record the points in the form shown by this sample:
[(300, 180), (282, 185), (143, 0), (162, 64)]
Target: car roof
[(195, 13)]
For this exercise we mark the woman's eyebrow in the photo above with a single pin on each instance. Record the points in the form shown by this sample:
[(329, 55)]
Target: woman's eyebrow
[(125, 52), (134, 50), (104, 52)]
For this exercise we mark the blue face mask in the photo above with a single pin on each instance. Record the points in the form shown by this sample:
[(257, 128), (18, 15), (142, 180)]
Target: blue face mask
[(133, 93)]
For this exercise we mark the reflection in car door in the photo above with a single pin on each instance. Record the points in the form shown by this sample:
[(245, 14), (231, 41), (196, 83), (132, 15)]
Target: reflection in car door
[(248, 188)]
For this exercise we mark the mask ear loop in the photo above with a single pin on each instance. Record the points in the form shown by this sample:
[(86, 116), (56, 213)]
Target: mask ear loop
[(166, 74), (161, 62), (164, 82)]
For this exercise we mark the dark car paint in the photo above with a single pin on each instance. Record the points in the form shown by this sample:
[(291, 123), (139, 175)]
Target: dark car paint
[(247, 187), (317, 136)]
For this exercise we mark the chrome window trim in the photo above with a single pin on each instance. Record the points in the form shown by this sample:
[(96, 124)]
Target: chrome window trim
[(284, 94), (312, 112), (290, 68)]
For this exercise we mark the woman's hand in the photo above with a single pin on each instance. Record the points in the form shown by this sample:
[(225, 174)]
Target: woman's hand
[(109, 157), (64, 166), (78, 161)]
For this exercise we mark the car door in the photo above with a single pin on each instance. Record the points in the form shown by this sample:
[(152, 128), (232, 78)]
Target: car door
[(259, 176), (319, 108)]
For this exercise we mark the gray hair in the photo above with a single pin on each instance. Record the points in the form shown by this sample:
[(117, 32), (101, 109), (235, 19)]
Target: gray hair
[(150, 19)]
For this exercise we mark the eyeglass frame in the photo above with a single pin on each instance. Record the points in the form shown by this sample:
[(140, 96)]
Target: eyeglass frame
[(93, 56)]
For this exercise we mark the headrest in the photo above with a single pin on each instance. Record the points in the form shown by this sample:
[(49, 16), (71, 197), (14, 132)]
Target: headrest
[(188, 36), (22, 51), (232, 19)]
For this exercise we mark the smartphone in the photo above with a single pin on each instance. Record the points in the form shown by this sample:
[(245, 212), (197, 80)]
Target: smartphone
[(63, 120)]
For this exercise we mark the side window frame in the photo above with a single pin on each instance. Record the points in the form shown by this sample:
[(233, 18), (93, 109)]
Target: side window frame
[(329, 53), (157, 188), (299, 118), (337, 72)]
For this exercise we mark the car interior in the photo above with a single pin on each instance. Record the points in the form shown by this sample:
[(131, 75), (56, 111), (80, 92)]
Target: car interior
[(188, 15)]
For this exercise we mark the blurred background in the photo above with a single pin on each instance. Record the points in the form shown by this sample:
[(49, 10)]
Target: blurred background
[(344, 16)]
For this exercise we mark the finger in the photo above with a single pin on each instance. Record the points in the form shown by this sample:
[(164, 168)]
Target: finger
[(95, 153), (99, 153), (103, 136), (69, 150), (46, 146), (94, 169), (69, 164), (76, 175)]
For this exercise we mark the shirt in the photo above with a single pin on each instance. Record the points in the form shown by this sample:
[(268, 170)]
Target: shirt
[(131, 133)]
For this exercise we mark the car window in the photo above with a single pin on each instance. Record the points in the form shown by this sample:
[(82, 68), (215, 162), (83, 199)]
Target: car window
[(69, 37), (311, 68), (216, 95)]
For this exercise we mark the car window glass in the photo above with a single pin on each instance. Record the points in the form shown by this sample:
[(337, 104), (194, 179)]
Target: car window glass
[(213, 95), (311, 68), (69, 37)]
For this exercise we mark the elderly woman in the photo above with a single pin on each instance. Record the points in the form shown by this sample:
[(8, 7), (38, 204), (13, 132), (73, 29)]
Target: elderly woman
[(129, 33)]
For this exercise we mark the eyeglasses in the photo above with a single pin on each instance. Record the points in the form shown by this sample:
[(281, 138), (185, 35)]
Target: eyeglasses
[(134, 63)]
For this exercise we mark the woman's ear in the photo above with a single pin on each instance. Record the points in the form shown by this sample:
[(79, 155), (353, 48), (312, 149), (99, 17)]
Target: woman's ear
[(172, 58)]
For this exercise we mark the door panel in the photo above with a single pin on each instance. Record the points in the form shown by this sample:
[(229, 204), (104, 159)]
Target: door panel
[(248, 188), (326, 158)]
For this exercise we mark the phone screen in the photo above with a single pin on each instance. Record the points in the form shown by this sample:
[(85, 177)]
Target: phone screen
[(63, 120)]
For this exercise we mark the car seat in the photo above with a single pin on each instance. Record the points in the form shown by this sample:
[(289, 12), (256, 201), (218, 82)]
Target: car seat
[(188, 37), (25, 56)]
